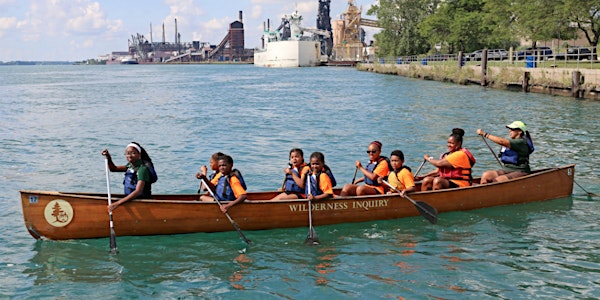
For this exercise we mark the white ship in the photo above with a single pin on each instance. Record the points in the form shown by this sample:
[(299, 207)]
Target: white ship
[(288, 47)]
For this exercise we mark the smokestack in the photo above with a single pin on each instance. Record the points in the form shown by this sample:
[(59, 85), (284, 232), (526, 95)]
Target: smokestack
[(269, 24), (163, 33), (240, 14), (262, 37), (151, 33), (176, 42)]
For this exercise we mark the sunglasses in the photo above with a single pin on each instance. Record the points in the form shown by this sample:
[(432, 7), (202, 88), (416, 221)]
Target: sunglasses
[(371, 151)]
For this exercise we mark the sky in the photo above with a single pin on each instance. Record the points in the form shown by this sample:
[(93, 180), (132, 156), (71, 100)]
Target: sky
[(75, 30)]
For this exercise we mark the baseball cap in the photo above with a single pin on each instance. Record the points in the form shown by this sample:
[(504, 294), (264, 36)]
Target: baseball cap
[(517, 125)]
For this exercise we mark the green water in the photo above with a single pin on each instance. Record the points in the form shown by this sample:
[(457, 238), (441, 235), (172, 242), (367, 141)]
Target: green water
[(55, 120)]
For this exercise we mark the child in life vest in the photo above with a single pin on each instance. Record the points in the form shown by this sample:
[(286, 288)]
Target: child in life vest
[(319, 184), (214, 167), (139, 173), (376, 168), (295, 176), (228, 188), (401, 176)]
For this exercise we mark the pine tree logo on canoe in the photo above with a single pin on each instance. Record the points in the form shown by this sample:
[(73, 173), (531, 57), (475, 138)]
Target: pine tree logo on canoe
[(58, 213)]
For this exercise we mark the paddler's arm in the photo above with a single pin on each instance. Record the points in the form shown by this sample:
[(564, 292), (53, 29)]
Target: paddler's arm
[(111, 166), (408, 190), (323, 196), (496, 139), (239, 199), (440, 163), (298, 180), (139, 190), (366, 172), (239, 192)]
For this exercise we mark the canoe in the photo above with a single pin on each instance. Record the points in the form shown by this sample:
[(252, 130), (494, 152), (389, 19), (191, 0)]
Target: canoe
[(63, 215)]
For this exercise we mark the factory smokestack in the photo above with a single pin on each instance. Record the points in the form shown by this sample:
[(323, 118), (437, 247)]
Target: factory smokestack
[(240, 14), (176, 42), (163, 33)]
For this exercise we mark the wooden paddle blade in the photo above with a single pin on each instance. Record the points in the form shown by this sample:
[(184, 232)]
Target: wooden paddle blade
[(242, 236), (113, 242), (428, 212), (312, 238)]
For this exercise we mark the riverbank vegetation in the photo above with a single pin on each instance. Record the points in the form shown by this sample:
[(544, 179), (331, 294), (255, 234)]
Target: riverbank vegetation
[(422, 26)]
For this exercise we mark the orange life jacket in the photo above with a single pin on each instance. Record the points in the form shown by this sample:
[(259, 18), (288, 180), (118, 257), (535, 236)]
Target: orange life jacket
[(458, 173)]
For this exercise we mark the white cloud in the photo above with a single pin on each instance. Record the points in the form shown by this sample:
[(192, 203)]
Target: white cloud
[(187, 13), (256, 12), (91, 18), (8, 23), (65, 18)]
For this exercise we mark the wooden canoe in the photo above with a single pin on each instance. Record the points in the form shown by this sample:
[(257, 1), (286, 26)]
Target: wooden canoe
[(62, 215)]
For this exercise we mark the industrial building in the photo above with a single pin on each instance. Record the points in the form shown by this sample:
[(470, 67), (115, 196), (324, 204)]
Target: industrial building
[(231, 48), (345, 42)]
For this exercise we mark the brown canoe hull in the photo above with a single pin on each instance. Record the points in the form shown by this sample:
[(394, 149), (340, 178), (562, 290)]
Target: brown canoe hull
[(60, 216)]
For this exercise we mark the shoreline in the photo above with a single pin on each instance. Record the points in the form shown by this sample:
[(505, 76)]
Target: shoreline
[(569, 82)]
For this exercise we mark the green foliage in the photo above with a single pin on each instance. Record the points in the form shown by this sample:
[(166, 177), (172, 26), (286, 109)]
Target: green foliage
[(585, 16), (400, 20), (415, 26)]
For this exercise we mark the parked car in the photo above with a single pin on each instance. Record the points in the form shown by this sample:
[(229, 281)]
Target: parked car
[(544, 52), (575, 53), (437, 57), (492, 54)]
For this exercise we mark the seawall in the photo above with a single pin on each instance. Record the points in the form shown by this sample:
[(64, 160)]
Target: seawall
[(570, 82)]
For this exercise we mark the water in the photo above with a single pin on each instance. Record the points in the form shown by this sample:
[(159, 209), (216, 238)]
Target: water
[(55, 120)]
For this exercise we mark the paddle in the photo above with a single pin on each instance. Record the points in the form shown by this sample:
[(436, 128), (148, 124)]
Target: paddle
[(312, 238), (235, 225), (494, 154), (113, 238), (428, 212), (420, 167), (354, 178)]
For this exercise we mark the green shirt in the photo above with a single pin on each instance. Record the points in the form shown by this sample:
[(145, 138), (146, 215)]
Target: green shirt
[(142, 171), (520, 146)]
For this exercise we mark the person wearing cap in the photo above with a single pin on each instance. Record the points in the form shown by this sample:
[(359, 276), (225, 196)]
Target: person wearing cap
[(514, 153), (138, 174)]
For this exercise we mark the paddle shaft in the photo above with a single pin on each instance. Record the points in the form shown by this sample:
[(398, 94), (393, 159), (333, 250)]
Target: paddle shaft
[(235, 225), (420, 167), (491, 150), (354, 178), (424, 209), (113, 238), (312, 237)]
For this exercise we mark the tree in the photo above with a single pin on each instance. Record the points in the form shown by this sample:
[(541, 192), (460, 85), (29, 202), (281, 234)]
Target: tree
[(400, 20), (585, 15), (470, 25), (537, 20)]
